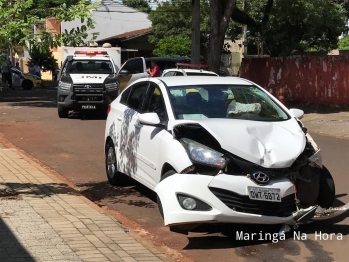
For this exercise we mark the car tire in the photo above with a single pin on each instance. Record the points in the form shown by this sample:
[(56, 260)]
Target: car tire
[(115, 177), (62, 112), (327, 192), (166, 175), (27, 84)]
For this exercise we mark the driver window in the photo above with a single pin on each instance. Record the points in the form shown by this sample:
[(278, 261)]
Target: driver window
[(156, 103)]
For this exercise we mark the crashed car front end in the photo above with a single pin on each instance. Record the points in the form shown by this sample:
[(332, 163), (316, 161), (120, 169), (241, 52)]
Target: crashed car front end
[(222, 187)]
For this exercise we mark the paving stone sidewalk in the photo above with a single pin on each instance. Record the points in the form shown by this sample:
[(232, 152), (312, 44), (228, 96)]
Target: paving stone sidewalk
[(42, 219)]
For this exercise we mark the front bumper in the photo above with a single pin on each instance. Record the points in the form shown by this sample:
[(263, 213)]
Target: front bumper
[(73, 100), (233, 207)]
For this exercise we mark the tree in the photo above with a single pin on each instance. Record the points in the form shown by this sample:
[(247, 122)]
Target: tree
[(44, 58), (17, 20), (303, 25), (141, 5), (343, 43), (281, 26), (174, 46), (221, 12), (173, 19)]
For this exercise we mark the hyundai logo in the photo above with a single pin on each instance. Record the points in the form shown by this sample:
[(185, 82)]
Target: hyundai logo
[(260, 178), (87, 86)]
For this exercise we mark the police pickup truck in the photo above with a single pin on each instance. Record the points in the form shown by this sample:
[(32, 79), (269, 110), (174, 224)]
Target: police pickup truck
[(87, 81)]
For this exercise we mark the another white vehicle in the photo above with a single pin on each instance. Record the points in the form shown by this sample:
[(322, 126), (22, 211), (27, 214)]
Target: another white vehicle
[(188, 72), (228, 152), (87, 81)]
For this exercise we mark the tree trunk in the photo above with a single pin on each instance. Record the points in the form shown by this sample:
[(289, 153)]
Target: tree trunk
[(221, 12)]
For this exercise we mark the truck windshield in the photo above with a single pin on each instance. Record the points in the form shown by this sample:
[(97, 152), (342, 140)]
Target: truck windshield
[(90, 67)]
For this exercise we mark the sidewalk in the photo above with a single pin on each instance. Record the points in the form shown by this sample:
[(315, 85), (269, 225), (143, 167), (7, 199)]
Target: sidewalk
[(42, 219)]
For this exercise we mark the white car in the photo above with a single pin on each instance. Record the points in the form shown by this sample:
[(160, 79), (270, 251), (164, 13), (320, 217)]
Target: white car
[(217, 150), (187, 72)]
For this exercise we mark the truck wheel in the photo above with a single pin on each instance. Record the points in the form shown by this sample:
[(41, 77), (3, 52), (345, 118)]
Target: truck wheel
[(27, 84), (62, 112), (327, 192)]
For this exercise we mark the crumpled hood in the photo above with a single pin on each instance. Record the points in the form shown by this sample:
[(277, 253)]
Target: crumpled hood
[(268, 144)]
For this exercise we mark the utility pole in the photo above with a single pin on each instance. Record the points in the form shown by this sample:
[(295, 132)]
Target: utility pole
[(244, 29), (195, 33)]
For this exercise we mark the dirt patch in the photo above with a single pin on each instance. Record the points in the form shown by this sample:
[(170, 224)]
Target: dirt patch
[(13, 197)]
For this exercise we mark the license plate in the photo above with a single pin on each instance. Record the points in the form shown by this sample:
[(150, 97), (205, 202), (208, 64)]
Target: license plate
[(264, 194), (88, 107)]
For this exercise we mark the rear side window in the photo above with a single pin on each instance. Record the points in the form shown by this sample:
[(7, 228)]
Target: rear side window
[(124, 96), (171, 73), (136, 96)]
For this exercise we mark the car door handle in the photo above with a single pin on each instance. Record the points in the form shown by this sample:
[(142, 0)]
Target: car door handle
[(119, 118)]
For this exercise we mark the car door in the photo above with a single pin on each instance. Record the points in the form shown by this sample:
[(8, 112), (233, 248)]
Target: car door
[(130, 71), (127, 133), (149, 137), (17, 77)]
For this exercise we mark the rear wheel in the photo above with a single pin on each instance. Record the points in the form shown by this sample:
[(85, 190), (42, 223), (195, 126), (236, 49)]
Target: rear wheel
[(27, 84), (113, 175), (166, 175), (62, 112), (327, 192)]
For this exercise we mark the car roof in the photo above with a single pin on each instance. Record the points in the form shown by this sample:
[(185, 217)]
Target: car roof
[(195, 80), (190, 70)]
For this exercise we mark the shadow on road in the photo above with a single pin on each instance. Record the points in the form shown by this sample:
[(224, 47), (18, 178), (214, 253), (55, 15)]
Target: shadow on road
[(30, 98), (131, 193)]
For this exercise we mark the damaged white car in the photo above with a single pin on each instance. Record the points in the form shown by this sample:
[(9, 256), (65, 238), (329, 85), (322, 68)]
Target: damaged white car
[(217, 150)]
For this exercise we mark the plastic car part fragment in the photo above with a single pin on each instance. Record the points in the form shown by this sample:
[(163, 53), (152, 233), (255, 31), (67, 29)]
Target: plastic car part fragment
[(201, 154)]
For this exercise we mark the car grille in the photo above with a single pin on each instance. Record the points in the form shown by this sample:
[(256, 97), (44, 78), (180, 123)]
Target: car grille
[(244, 204), (88, 93)]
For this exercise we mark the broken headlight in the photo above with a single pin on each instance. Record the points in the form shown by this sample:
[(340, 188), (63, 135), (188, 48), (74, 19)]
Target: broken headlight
[(203, 155)]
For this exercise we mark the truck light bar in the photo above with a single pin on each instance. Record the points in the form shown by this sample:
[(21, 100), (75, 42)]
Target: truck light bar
[(91, 52)]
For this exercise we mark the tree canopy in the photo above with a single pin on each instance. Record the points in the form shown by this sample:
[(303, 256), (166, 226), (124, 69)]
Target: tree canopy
[(18, 18), (276, 26), (173, 21), (141, 5), (302, 25)]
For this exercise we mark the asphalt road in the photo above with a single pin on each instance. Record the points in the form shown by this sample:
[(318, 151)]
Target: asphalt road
[(74, 148)]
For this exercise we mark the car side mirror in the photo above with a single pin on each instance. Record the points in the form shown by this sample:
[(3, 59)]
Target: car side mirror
[(150, 119), (297, 113), (124, 72)]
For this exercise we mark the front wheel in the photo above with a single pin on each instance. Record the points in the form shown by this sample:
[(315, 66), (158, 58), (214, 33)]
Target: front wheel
[(327, 192), (27, 84), (113, 175), (62, 112)]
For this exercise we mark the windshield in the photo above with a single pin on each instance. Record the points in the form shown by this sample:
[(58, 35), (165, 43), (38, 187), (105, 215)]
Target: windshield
[(90, 67), (224, 101)]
